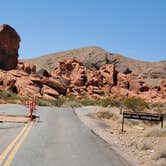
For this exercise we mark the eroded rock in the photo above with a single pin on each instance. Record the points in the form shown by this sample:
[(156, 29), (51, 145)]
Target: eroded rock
[(9, 45)]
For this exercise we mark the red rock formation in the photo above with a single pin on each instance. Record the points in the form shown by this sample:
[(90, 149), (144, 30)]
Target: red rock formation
[(72, 78), (28, 68), (163, 87), (9, 45)]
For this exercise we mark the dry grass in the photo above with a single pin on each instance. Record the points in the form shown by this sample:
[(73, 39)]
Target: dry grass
[(132, 122), (156, 132), (147, 146), (108, 114), (160, 153)]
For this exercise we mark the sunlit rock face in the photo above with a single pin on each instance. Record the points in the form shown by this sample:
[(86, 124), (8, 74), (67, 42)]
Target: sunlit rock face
[(9, 45)]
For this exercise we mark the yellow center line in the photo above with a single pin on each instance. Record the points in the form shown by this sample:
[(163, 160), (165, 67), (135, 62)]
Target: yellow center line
[(14, 151), (10, 146)]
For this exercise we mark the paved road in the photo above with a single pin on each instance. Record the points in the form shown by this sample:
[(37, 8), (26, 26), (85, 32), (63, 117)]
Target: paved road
[(59, 139)]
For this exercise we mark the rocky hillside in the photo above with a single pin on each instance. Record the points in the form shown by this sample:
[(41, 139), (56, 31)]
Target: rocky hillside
[(90, 72), (95, 57)]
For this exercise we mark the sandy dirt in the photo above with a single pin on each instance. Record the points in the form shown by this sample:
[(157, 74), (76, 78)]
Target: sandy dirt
[(133, 144)]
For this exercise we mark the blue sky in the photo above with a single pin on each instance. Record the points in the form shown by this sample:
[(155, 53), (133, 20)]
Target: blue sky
[(134, 28)]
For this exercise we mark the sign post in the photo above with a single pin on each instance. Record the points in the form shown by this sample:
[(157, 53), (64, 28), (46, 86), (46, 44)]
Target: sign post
[(31, 110), (142, 116)]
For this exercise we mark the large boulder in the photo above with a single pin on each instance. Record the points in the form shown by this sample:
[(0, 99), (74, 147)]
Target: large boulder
[(27, 67), (9, 45)]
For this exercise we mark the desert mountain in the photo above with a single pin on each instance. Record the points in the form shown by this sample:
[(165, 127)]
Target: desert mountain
[(95, 57)]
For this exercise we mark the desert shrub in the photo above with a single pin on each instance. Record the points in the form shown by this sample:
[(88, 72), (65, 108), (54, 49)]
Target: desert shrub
[(160, 153), (109, 114), (105, 115), (58, 102), (72, 103), (11, 97), (5, 94), (132, 122), (136, 104), (147, 146), (158, 107), (115, 102), (106, 102), (42, 102), (15, 97), (87, 102), (156, 132)]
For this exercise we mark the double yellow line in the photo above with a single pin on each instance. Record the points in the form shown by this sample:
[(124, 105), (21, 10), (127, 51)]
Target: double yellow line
[(15, 145)]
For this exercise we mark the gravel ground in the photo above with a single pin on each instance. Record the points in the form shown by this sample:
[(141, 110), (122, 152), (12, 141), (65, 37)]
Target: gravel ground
[(132, 144)]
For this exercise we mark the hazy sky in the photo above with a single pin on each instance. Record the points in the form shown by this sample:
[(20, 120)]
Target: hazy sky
[(134, 28)]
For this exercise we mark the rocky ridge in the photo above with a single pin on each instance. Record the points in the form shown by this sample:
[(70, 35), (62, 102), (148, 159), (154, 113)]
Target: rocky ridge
[(95, 57)]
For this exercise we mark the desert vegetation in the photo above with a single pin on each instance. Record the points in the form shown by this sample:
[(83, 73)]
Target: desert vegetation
[(8, 97)]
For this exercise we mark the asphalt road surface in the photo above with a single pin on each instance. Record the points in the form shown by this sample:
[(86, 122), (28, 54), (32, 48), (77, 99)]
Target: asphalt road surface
[(58, 139)]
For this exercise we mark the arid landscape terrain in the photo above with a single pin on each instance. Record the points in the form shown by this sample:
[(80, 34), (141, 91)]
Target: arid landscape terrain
[(94, 77)]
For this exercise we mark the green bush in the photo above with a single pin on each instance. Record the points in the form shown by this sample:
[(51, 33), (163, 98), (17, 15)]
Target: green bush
[(58, 102), (42, 102), (11, 97), (105, 102), (136, 104), (87, 102), (5, 94), (15, 97)]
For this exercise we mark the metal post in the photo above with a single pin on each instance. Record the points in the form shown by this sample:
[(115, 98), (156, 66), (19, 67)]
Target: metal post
[(123, 124), (162, 121), (31, 111), (121, 109)]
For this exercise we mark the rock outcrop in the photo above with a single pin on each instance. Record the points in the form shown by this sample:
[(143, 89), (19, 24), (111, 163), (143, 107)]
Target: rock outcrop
[(71, 77), (94, 58), (9, 45)]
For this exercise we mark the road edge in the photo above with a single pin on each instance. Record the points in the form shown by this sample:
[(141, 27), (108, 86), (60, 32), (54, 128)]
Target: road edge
[(112, 148)]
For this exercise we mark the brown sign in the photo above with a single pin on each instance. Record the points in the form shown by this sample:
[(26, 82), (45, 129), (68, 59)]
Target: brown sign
[(142, 116)]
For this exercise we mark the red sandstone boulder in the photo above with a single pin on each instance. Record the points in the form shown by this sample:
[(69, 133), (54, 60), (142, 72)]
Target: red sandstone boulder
[(49, 93), (9, 45), (27, 67), (55, 84), (109, 74), (163, 87)]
